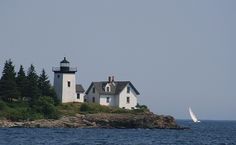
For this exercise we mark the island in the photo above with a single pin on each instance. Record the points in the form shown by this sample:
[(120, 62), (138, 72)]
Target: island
[(97, 116), (29, 100)]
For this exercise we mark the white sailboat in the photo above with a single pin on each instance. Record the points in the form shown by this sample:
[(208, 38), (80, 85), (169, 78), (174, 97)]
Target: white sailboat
[(193, 116)]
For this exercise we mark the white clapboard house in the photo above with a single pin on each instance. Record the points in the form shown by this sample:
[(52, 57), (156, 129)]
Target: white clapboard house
[(121, 94)]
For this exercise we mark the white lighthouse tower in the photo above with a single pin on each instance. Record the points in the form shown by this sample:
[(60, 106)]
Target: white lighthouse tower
[(64, 82)]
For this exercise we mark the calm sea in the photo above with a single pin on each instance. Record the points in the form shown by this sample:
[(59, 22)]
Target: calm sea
[(206, 132)]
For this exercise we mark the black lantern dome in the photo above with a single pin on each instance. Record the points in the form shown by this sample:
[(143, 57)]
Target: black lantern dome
[(65, 64), (64, 67)]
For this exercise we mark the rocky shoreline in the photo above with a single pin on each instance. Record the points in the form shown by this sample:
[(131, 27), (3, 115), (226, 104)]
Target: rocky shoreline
[(100, 120)]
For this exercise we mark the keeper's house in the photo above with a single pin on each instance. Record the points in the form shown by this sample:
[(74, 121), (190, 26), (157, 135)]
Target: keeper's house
[(121, 94)]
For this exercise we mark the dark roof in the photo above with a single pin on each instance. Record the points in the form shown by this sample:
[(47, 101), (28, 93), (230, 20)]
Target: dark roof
[(116, 87), (65, 61), (79, 88)]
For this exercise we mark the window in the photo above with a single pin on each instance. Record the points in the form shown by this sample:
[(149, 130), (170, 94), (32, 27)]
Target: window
[(58, 76), (108, 89), (85, 100), (78, 96), (68, 83), (93, 99), (108, 99), (128, 100), (93, 90), (128, 90)]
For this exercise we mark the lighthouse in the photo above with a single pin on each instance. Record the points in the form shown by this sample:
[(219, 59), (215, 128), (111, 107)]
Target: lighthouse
[(65, 82)]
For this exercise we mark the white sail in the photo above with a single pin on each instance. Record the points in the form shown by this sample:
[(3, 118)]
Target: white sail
[(193, 116)]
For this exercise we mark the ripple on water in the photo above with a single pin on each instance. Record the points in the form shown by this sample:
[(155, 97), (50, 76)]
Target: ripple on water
[(209, 132)]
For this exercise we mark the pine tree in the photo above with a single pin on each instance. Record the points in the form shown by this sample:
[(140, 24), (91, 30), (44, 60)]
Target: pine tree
[(44, 84), (32, 92), (21, 81), (45, 87), (8, 86)]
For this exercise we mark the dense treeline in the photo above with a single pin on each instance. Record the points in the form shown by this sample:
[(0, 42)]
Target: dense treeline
[(26, 95)]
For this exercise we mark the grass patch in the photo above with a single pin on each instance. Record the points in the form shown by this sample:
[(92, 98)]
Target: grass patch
[(45, 109), (96, 108), (69, 109)]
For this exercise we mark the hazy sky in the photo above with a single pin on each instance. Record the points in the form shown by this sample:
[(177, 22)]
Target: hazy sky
[(177, 53)]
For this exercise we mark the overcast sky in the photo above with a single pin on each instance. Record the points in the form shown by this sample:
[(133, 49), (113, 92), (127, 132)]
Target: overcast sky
[(176, 53)]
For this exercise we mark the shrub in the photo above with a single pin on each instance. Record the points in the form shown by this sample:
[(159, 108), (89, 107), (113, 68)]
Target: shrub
[(138, 106), (18, 114), (3, 106), (84, 107), (45, 106), (94, 108)]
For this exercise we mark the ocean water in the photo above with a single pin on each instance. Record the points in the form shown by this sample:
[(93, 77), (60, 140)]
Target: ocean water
[(206, 132)]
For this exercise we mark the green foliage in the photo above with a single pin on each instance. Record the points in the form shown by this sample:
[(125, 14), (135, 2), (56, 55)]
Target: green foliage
[(44, 84), (14, 89), (85, 107), (140, 109), (17, 115), (69, 109), (31, 87), (18, 111), (94, 108), (22, 114), (45, 106), (3, 105), (33, 91), (120, 110), (8, 87), (21, 81), (8, 71), (45, 87), (53, 95), (15, 111)]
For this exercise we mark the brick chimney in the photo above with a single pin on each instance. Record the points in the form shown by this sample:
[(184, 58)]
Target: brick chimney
[(109, 79), (113, 79)]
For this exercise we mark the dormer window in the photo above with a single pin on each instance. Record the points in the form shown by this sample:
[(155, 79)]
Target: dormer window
[(128, 90), (108, 89), (93, 90)]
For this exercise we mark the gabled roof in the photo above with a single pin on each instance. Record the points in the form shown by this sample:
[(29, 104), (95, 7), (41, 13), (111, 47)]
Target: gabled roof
[(116, 87), (79, 88)]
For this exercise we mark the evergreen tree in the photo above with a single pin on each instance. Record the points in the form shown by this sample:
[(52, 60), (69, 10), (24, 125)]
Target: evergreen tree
[(44, 84), (21, 81), (33, 91), (54, 95), (8, 86), (45, 87)]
